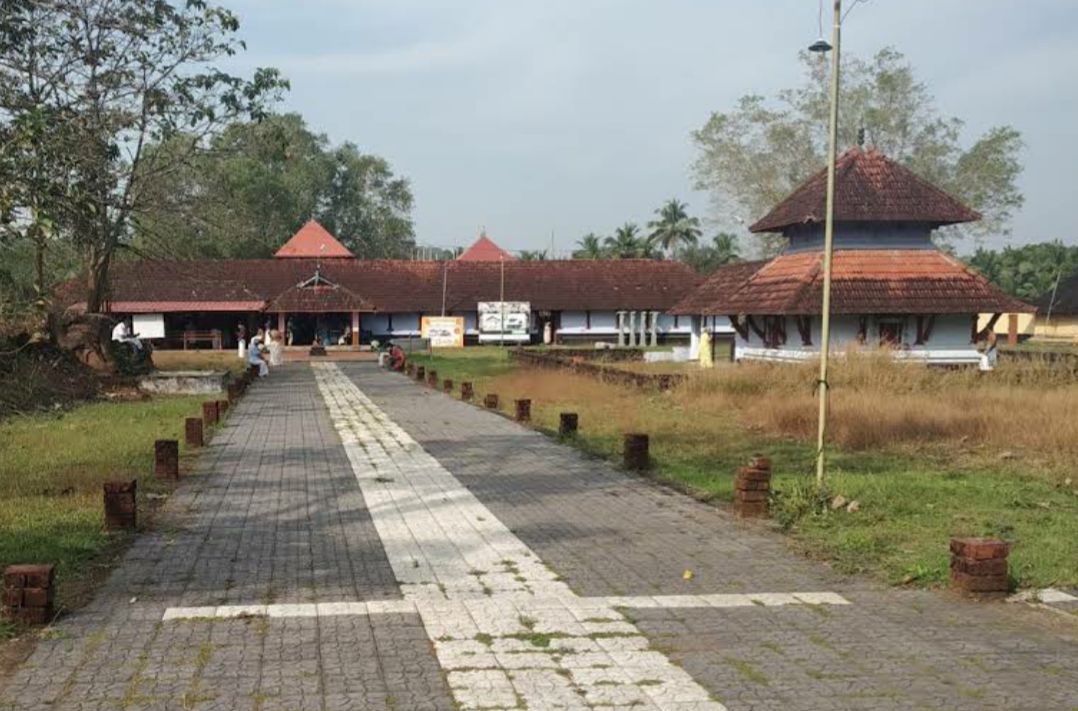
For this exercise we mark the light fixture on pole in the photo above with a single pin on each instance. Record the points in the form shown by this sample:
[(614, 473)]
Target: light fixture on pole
[(828, 234)]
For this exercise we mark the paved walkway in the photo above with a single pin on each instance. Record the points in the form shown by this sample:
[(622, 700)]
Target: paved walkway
[(359, 542)]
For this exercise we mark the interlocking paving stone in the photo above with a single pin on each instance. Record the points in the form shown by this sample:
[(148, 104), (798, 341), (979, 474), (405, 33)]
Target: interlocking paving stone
[(274, 517), (607, 533)]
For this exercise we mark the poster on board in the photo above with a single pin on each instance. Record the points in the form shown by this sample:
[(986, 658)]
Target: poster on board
[(506, 321), (443, 331)]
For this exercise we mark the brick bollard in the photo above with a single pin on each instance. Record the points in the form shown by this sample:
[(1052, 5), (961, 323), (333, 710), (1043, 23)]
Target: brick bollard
[(409, 368), (490, 401), (979, 566), (522, 410), (635, 451), (234, 392), (432, 378), (752, 487), (420, 373), (447, 386), (567, 424), (29, 593), (222, 408), (192, 431), (467, 392), (120, 508), (210, 413), (252, 373), (166, 458)]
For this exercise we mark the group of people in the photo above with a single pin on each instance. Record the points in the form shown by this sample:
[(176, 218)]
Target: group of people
[(264, 350)]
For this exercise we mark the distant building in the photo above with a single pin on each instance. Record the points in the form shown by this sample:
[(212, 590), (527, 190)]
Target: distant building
[(891, 286), (1057, 312), (314, 287)]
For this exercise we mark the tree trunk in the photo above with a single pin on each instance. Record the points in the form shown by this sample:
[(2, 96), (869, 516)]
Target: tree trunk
[(98, 261)]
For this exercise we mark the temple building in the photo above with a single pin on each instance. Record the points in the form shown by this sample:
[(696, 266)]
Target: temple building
[(891, 286), (315, 289)]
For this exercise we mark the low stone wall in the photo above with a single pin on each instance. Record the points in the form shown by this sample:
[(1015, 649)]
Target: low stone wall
[(607, 374), (600, 355), (184, 382)]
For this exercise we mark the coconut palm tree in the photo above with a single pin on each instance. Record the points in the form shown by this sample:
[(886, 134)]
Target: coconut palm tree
[(538, 255), (726, 248), (674, 228), (627, 243), (590, 247)]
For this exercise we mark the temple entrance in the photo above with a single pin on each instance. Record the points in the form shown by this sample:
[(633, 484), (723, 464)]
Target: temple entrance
[(324, 329)]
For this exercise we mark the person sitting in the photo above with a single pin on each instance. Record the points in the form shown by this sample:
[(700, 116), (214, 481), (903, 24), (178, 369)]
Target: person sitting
[(254, 354), (121, 333), (397, 358)]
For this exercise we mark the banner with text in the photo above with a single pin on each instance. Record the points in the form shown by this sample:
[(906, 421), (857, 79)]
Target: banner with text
[(506, 321), (443, 331)]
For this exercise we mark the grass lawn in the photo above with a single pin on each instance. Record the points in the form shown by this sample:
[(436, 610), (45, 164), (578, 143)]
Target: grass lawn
[(53, 466), (199, 360), (914, 493)]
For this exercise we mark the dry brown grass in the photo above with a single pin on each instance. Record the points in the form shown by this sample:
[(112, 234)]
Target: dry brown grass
[(876, 402)]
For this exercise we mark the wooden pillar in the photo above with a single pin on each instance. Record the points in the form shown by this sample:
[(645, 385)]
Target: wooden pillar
[(355, 329), (281, 321), (1012, 329)]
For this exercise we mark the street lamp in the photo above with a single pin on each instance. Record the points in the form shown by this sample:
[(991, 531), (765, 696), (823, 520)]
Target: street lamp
[(828, 233)]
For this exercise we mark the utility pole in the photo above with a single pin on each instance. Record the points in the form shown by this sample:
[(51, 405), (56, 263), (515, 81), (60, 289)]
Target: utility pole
[(828, 245)]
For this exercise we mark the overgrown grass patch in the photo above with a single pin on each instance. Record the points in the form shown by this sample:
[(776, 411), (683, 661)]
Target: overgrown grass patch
[(916, 486), (200, 360), (52, 467)]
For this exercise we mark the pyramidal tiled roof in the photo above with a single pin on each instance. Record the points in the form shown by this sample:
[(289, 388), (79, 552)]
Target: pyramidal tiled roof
[(869, 187), (484, 250), (313, 241)]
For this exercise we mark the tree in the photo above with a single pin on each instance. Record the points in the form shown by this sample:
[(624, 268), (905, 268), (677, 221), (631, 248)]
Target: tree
[(258, 182), (674, 228), (118, 76), (590, 246), (1028, 272), (709, 257), (754, 155), (628, 243), (538, 255)]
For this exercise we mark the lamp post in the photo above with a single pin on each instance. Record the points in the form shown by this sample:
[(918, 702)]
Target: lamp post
[(828, 234)]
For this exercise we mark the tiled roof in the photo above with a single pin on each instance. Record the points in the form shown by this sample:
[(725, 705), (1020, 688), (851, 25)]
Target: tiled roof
[(484, 250), (406, 286), (313, 241), (718, 284), (322, 298), (863, 281), (869, 187)]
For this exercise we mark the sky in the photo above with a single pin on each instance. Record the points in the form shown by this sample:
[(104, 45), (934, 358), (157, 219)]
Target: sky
[(544, 120)]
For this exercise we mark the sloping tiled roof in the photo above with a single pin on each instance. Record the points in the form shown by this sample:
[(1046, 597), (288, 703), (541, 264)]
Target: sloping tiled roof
[(869, 187), (313, 241), (321, 298), (405, 286), (863, 281), (484, 250), (718, 284)]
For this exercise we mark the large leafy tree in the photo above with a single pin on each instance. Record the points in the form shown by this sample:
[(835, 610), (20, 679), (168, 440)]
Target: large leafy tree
[(260, 181), (674, 227), (1030, 271), (753, 155), (706, 258), (109, 79)]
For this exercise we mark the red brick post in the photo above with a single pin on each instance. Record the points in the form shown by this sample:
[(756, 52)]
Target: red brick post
[(210, 414), (192, 431), (752, 487), (432, 378), (409, 368), (979, 566), (252, 373), (467, 392), (522, 410), (490, 401), (447, 386), (420, 373), (567, 424), (120, 507), (29, 593), (234, 392), (222, 408), (635, 451), (166, 458)]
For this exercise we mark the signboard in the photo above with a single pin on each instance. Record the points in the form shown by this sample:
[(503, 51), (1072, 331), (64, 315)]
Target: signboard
[(443, 331), (507, 321), (148, 325)]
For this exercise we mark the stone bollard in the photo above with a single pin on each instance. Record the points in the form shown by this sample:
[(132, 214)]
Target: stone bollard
[(210, 414), (522, 410), (120, 508), (635, 451), (166, 458), (447, 386), (192, 431), (466, 391), (432, 378), (979, 566), (420, 373), (567, 424), (752, 487), (29, 593), (491, 401)]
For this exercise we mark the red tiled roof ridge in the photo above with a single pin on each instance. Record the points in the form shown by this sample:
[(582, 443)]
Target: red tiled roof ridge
[(313, 241), (484, 250), (869, 187)]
